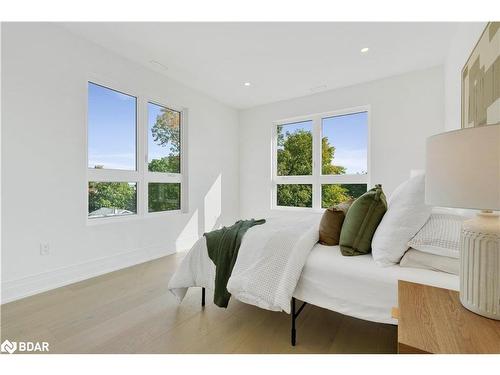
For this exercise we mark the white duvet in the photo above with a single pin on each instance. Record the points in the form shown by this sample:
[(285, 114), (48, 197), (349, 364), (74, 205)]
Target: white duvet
[(268, 266)]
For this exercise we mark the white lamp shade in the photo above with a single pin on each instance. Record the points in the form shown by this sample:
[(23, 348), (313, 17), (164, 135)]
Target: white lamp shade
[(463, 168)]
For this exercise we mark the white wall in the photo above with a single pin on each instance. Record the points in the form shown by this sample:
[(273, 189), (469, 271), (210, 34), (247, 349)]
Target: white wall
[(466, 36), (405, 109), (44, 73), (44, 70)]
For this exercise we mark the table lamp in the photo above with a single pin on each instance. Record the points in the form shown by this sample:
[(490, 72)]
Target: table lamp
[(463, 171)]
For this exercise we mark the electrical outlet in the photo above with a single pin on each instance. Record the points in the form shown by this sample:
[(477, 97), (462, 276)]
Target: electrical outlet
[(44, 248)]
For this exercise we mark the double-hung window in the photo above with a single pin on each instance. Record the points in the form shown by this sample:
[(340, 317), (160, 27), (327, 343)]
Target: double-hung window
[(320, 160), (135, 155)]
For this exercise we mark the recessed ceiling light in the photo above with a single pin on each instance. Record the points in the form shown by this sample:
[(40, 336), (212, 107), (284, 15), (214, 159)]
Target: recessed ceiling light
[(364, 50), (247, 84)]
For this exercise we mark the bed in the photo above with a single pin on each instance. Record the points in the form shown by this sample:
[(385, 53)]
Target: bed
[(354, 286), (281, 262), (358, 287)]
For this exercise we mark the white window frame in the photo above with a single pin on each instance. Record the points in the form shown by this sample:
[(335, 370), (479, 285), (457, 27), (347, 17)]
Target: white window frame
[(141, 176), (161, 177), (317, 178)]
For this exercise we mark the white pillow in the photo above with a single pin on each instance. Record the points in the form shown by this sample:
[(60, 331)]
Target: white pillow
[(406, 214), (440, 235)]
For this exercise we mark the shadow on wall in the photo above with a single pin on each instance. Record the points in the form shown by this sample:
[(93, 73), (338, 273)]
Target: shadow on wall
[(213, 206), (204, 219)]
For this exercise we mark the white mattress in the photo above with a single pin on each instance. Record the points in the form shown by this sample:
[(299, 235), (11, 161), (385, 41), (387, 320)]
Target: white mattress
[(358, 287)]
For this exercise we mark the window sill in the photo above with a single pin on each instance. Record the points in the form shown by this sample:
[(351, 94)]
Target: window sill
[(128, 218)]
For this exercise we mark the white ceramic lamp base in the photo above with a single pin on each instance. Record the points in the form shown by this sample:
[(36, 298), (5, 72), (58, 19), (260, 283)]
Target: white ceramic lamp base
[(480, 265)]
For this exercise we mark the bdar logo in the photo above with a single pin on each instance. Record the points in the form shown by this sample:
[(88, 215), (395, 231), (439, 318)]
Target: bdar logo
[(8, 347), (24, 346)]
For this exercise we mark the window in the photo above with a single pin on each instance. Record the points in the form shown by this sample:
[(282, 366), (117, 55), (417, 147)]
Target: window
[(296, 158), (164, 158), (121, 182), (164, 197), (294, 195), (164, 139), (112, 199), (332, 194), (112, 123), (344, 144), (320, 160)]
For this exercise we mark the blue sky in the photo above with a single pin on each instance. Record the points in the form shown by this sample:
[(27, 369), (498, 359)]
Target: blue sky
[(111, 128), (349, 135)]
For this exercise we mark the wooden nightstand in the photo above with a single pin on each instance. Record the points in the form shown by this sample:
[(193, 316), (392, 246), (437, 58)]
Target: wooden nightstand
[(432, 320)]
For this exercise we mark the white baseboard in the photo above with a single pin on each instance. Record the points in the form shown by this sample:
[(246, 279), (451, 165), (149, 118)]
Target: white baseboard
[(16, 289)]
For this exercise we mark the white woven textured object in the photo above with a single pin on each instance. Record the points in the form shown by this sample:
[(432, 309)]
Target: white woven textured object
[(270, 261), (196, 269), (268, 267), (440, 236)]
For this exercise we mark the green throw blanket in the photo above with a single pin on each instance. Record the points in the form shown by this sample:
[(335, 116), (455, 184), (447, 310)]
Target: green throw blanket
[(223, 245)]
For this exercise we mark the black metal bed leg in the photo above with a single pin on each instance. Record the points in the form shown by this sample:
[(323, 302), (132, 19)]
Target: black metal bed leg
[(202, 297), (295, 313), (293, 332)]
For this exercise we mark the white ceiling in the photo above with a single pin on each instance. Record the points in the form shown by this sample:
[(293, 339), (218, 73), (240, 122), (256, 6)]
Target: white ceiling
[(281, 60)]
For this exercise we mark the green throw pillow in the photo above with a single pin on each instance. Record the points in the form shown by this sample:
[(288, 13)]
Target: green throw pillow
[(361, 221)]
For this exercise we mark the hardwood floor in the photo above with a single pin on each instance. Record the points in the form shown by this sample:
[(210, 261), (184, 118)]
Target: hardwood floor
[(131, 311)]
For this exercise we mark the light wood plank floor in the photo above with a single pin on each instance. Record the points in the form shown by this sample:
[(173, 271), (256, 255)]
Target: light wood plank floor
[(131, 311)]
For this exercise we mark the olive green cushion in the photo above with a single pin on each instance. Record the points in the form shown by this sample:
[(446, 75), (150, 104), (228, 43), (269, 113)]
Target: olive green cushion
[(361, 221)]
